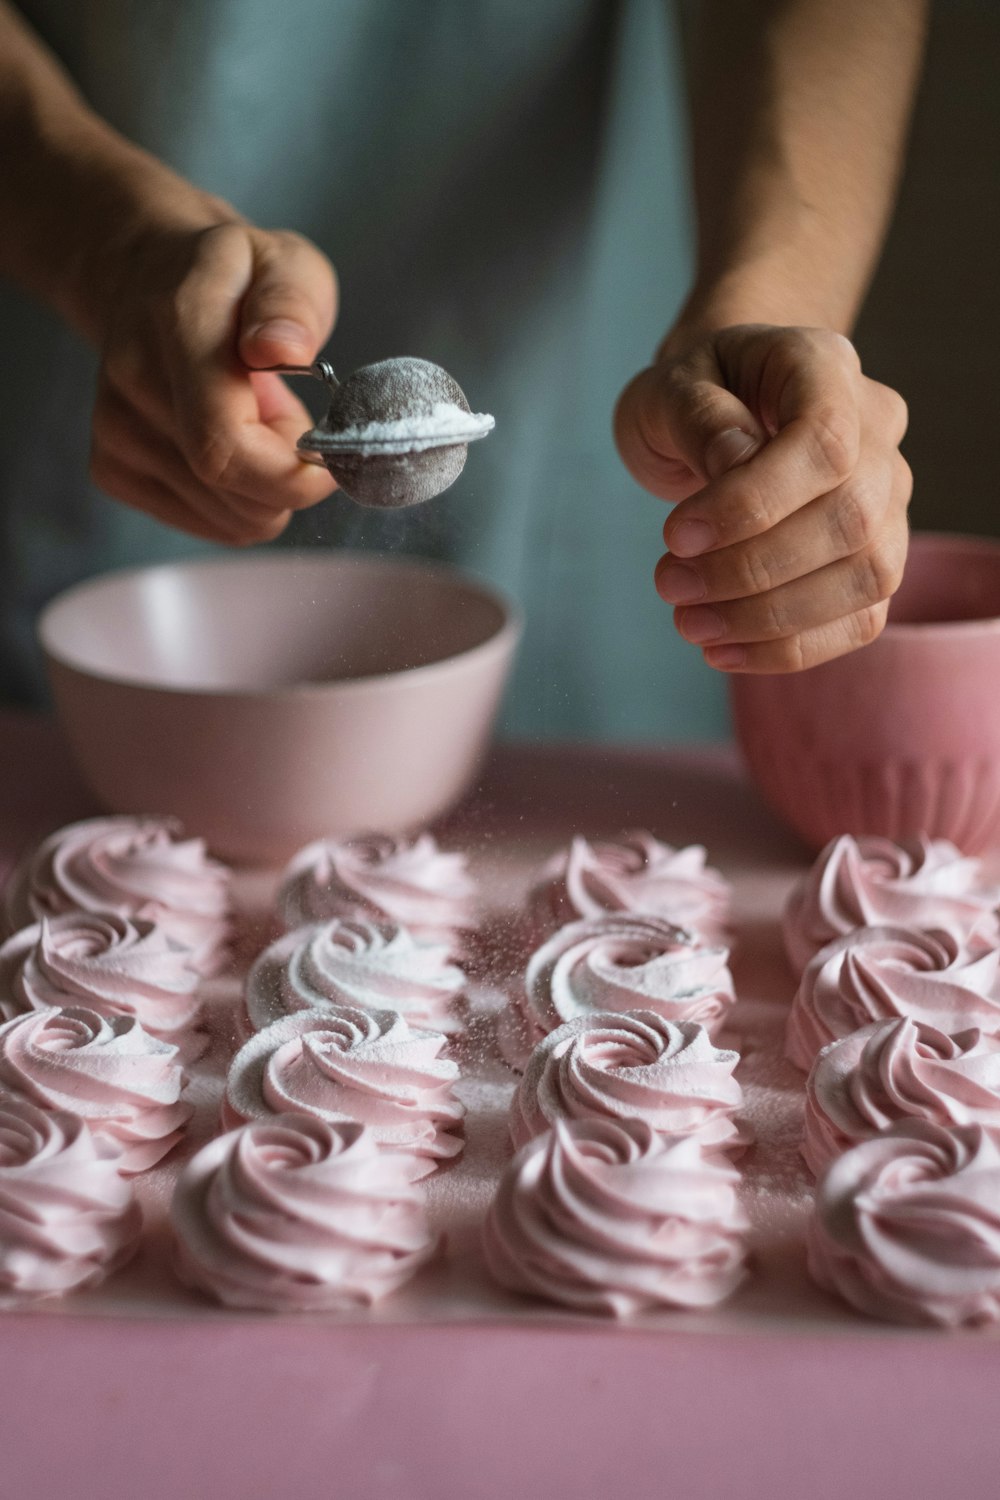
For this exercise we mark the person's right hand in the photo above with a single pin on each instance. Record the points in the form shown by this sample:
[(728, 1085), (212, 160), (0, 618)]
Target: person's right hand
[(182, 429)]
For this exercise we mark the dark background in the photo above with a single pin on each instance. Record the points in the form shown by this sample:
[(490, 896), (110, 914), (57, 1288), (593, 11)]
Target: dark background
[(931, 326)]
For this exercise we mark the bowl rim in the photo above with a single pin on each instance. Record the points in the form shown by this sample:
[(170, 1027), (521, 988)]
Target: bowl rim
[(948, 541), (504, 638)]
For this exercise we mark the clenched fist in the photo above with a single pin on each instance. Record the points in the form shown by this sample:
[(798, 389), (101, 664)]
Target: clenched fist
[(789, 535)]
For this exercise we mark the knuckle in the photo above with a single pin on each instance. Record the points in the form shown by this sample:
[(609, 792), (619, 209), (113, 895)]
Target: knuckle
[(220, 240), (748, 510), (903, 477), (890, 408), (844, 350), (672, 382), (278, 244), (752, 571), (211, 457), (833, 442), (879, 572), (791, 654), (852, 520), (865, 626), (897, 414), (772, 616)]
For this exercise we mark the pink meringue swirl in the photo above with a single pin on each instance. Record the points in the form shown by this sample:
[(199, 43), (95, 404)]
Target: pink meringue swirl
[(630, 1065), (873, 882), (878, 972), (67, 1216), (636, 874), (350, 961), (351, 1064), (109, 963), (898, 1070), (124, 1085), (409, 881), (606, 1216), (135, 867), (297, 1215), (616, 962), (907, 1226)]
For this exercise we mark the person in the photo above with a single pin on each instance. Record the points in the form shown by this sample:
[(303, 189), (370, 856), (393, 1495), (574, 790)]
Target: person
[(501, 190)]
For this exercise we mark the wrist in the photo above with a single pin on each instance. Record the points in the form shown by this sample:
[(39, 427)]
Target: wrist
[(782, 293), (119, 200)]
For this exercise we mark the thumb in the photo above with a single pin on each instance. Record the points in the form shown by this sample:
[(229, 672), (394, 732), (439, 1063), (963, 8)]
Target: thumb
[(711, 427), (289, 308), (688, 428)]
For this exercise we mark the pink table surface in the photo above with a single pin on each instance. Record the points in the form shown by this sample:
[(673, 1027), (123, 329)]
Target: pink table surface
[(194, 1406)]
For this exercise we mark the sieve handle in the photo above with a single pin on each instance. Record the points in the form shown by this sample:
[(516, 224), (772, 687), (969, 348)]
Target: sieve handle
[(321, 369)]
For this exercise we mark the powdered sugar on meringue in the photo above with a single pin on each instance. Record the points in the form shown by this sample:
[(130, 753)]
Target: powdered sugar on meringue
[(135, 868), (352, 961), (636, 874), (113, 964), (873, 882), (381, 879), (124, 1084), (631, 1065), (617, 963), (880, 972), (350, 1064)]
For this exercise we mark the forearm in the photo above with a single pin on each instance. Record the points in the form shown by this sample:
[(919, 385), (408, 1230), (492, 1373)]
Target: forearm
[(74, 193), (800, 113)]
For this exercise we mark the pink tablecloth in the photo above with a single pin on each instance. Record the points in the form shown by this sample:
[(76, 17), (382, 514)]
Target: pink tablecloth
[(250, 1408)]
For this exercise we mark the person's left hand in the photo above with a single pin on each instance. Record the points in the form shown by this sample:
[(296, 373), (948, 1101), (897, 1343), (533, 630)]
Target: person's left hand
[(790, 535)]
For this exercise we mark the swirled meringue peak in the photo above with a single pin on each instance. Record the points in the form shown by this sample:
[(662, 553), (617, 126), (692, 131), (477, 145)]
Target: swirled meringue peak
[(907, 1226), (616, 962), (118, 966), (351, 961), (297, 1215), (67, 1216), (606, 1216), (350, 1064), (898, 1070), (873, 882), (636, 874), (383, 879), (879, 972), (630, 1065), (135, 867), (124, 1084)]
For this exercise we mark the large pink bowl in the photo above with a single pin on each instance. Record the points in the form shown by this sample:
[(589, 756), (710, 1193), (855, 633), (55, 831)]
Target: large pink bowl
[(903, 736), (271, 699)]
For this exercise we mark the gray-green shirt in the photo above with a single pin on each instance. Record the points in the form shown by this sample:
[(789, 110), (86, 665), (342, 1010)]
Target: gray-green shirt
[(500, 185)]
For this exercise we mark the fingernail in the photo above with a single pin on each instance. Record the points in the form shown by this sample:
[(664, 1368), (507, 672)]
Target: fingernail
[(679, 585), (691, 538), (726, 657), (728, 450), (701, 624), (281, 331)]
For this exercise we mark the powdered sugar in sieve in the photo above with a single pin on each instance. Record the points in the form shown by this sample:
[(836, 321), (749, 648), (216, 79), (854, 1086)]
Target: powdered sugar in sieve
[(396, 432)]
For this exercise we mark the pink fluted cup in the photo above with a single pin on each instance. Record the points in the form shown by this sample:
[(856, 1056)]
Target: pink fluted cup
[(902, 737)]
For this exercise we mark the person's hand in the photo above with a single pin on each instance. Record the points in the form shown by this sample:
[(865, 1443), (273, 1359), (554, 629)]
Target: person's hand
[(790, 535), (181, 429)]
